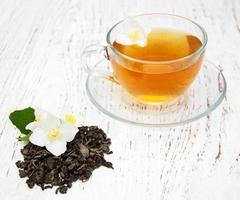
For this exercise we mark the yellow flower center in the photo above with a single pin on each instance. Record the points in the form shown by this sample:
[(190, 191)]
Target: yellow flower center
[(37, 119), (70, 118), (54, 134), (134, 35)]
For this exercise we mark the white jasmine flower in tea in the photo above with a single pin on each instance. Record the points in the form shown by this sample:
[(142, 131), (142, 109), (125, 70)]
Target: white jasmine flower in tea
[(133, 33), (51, 132)]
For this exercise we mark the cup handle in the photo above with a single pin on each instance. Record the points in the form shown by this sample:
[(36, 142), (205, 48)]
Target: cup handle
[(89, 63)]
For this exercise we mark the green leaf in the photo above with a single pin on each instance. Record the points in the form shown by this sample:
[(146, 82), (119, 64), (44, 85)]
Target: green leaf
[(24, 139), (21, 118)]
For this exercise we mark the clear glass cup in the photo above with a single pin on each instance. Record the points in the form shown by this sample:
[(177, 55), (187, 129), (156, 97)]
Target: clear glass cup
[(150, 81)]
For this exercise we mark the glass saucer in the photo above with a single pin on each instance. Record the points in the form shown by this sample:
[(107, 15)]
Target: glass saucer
[(203, 96)]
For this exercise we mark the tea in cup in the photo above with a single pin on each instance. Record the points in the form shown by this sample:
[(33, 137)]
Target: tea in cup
[(155, 57)]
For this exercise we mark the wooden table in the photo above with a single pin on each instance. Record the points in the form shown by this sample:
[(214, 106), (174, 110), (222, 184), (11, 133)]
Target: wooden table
[(40, 44)]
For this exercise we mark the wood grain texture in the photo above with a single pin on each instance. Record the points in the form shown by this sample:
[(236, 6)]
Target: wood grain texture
[(40, 44)]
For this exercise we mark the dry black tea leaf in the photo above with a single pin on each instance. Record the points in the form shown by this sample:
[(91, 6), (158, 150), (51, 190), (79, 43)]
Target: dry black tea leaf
[(84, 154)]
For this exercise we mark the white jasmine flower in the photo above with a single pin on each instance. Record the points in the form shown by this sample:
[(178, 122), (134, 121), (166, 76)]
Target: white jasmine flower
[(51, 132), (39, 115), (133, 33)]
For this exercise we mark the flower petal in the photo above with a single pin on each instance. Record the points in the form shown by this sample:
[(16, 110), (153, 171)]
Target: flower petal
[(142, 42), (133, 32), (79, 121), (68, 131), (38, 137), (123, 39), (65, 110), (31, 126), (45, 120), (50, 122), (38, 111), (57, 147), (41, 113)]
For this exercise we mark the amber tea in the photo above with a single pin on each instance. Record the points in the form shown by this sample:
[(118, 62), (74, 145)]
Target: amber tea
[(150, 75)]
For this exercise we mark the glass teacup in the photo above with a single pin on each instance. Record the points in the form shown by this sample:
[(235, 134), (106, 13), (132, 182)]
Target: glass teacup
[(164, 67)]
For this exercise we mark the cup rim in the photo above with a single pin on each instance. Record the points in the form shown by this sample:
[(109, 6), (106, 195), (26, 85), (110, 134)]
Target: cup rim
[(199, 50)]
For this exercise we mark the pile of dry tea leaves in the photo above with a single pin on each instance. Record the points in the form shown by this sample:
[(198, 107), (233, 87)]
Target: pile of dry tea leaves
[(84, 154)]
